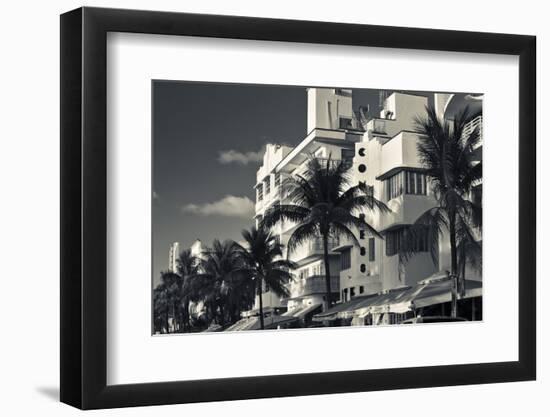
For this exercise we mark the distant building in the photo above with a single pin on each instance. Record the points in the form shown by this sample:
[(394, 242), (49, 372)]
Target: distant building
[(196, 249), (173, 257)]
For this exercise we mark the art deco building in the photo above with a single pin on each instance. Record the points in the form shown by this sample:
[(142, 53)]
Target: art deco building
[(382, 153), (332, 130)]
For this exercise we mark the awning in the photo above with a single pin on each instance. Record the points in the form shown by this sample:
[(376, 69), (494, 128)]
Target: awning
[(305, 311), (429, 293), (400, 300), (242, 324), (301, 312), (253, 323), (271, 322), (381, 303), (332, 313)]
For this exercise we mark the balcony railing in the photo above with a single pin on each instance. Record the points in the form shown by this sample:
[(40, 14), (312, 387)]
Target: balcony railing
[(316, 245), (315, 248), (471, 126), (313, 285), (377, 126)]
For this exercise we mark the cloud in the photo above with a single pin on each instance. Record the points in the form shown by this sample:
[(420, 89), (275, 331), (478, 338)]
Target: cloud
[(244, 158), (228, 206)]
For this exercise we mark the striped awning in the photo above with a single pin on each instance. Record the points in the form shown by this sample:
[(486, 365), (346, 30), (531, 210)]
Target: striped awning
[(332, 313), (400, 300), (305, 311)]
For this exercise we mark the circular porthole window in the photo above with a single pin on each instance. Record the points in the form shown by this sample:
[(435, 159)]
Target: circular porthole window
[(362, 168)]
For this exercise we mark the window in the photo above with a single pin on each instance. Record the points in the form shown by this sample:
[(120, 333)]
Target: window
[(363, 251), (393, 242), (352, 292), (267, 183), (260, 192), (345, 291), (394, 186), (361, 289), (420, 240), (345, 123), (362, 168), (371, 249), (416, 183), (397, 240), (318, 270), (408, 182), (345, 259), (277, 179)]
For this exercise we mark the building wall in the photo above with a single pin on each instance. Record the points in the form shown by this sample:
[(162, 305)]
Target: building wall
[(326, 106), (324, 139), (385, 148), (388, 146)]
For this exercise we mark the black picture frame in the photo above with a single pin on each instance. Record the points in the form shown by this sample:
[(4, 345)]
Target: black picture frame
[(84, 210)]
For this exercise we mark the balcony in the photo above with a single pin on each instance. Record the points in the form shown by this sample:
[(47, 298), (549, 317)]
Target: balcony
[(313, 248), (313, 285), (473, 125), (377, 126)]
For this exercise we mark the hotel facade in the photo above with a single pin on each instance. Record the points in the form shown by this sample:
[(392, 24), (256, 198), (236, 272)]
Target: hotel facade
[(382, 153)]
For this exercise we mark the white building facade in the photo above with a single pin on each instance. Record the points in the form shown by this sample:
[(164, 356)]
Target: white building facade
[(332, 131), (383, 154)]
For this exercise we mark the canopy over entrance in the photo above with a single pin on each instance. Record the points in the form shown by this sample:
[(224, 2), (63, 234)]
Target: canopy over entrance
[(400, 300)]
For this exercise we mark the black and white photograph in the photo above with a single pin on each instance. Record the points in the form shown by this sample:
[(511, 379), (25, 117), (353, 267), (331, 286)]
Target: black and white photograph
[(298, 207), (243, 208)]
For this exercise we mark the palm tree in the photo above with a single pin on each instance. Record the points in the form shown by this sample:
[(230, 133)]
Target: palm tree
[(454, 170), (160, 308), (323, 204), (262, 263), (187, 268), (168, 297), (219, 279)]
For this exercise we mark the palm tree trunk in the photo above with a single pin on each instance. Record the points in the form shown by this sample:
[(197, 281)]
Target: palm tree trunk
[(328, 301), (222, 315), (462, 278), (176, 316), (454, 263), (186, 315), (261, 303)]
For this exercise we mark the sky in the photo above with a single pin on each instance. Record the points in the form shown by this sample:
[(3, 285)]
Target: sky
[(207, 145)]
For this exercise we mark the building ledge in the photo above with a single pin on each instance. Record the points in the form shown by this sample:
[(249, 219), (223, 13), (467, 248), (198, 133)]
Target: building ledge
[(342, 248)]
